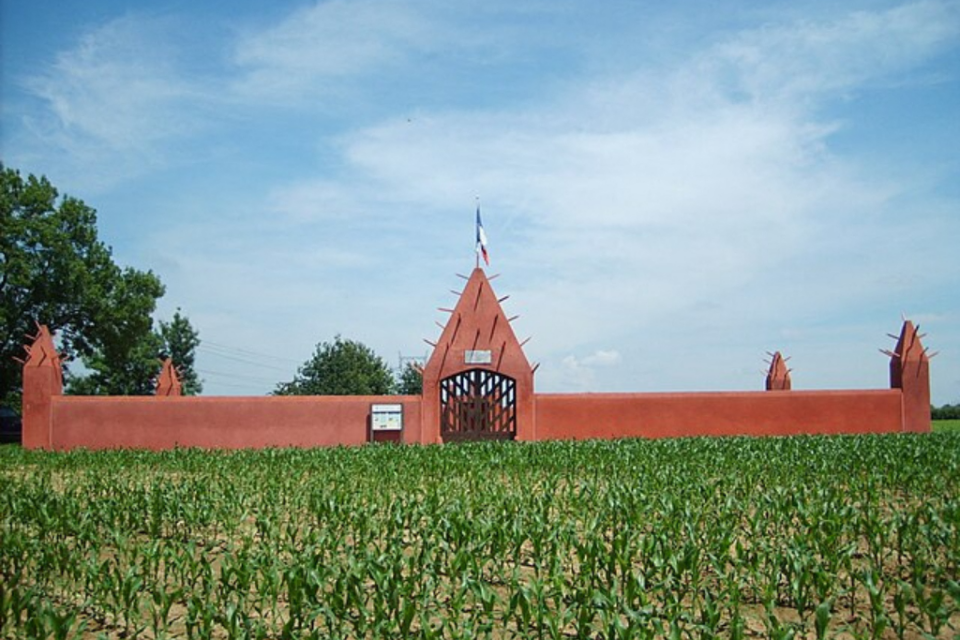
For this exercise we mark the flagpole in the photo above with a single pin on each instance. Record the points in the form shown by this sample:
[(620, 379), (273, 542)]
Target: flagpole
[(476, 249)]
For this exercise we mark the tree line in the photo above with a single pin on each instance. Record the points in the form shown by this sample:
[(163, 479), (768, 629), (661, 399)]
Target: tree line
[(55, 270), (946, 412)]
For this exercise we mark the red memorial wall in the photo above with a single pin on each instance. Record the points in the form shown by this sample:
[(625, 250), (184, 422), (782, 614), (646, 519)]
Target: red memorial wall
[(477, 385)]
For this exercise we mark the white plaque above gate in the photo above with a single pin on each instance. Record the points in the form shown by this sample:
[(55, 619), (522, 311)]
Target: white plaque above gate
[(478, 357)]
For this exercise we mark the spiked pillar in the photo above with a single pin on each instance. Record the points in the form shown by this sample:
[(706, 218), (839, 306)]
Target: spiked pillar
[(168, 384), (42, 379), (778, 376), (910, 372)]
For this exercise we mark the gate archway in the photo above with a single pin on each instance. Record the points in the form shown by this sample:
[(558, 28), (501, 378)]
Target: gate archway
[(478, 404)]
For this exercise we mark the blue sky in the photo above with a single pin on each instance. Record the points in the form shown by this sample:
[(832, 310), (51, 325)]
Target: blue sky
[(670, 189)]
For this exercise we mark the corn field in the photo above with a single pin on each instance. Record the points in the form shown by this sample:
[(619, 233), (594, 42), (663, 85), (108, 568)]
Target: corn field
[(806, 537)]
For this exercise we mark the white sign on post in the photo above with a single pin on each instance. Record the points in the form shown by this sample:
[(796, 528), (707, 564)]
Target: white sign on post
[(386, 417)]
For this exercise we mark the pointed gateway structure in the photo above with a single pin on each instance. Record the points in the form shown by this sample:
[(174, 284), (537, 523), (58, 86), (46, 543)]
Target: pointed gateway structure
[(477, 384)]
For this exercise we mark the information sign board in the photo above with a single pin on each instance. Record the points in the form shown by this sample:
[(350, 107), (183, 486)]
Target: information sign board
[(386, 417)]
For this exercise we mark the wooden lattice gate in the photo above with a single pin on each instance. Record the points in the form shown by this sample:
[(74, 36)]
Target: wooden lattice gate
[(478, 405)]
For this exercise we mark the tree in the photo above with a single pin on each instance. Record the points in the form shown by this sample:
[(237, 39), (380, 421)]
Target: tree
[(410, 381), (180, 341), (340, 368), (55, 270), (946, 412)]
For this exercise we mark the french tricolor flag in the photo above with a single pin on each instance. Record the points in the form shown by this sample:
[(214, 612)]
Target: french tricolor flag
[(481, 240)]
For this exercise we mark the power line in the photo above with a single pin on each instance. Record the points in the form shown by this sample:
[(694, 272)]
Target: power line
[(246, 352), (240, 385), (243, 360), (236, 375)]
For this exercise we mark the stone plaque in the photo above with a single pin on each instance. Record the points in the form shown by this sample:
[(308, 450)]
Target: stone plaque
[(478, 357)]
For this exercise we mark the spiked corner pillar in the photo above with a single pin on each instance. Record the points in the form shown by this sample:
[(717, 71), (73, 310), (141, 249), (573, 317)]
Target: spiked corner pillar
[(42, 379), (910, 372), (168, 384), (778, 376)]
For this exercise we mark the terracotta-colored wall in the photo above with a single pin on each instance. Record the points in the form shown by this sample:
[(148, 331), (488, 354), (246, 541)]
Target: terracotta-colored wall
[(41, 386), (219, 422), (652, 415)]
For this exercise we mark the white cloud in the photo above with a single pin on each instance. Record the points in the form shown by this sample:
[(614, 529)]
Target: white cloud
[(115, 87), (602, 358), (111, 106), (335, 38), (580, 373), (806, 58)]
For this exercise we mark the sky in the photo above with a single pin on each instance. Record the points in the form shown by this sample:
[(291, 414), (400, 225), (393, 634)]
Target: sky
[(670, 190)]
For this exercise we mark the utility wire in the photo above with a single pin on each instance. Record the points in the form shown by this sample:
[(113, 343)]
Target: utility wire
[(246, 352), (244, 360), (236, 375), (240, 385)]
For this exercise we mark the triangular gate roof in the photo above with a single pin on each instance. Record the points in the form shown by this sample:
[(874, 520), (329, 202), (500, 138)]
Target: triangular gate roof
[(477, 335)]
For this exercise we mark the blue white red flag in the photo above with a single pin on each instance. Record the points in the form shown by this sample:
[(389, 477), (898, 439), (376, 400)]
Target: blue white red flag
[(482, 240)]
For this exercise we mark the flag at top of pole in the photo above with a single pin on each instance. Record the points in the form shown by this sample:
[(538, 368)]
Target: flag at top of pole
[(481, 241)]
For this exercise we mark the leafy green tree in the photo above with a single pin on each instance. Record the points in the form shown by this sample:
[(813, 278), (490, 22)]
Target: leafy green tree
[(341, 368), (124, 359), (180, 341), (55, 270), (410, 381)]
